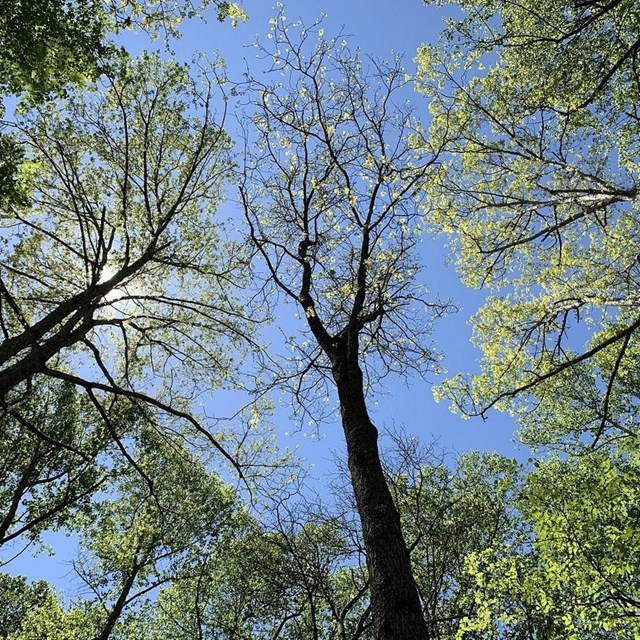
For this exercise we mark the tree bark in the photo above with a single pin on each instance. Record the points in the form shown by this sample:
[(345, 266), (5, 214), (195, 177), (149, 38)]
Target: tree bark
[(395, 603)]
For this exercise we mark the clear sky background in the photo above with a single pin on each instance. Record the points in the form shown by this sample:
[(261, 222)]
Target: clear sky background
[(378, 28)]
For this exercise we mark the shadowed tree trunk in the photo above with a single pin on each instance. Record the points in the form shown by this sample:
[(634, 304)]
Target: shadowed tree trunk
[(396, 607)]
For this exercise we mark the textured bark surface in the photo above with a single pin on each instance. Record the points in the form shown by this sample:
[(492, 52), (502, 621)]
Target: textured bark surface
[(395, 603)]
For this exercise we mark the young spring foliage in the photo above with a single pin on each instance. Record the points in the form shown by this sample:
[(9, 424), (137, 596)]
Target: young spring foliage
[(539, 191), (334, 163), (113, 258), (570, 568)]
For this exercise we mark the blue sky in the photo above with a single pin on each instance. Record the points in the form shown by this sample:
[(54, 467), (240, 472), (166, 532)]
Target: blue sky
[(379, 29)]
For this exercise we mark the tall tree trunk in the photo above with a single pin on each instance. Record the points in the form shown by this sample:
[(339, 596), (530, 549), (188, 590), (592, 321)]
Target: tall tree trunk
[(395, 603)]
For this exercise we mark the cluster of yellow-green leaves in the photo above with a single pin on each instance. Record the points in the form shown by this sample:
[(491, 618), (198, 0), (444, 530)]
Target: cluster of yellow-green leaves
[(539, 194), (536, 103)]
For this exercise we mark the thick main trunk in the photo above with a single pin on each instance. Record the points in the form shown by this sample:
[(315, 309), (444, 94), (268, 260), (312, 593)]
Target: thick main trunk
[(395, 604), (72, 332)]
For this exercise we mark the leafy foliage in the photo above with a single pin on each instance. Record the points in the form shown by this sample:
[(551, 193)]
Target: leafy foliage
[(51, 44), (47, 45), (540, 191), (118, 309), (17, 600), (52, 449), (123, 183), (573, 572)]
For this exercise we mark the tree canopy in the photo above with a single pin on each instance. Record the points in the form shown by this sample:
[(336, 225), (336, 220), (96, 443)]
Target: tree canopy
[(120, 186), (540, 192), (539, 195), (137, 385), (51, 44)]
